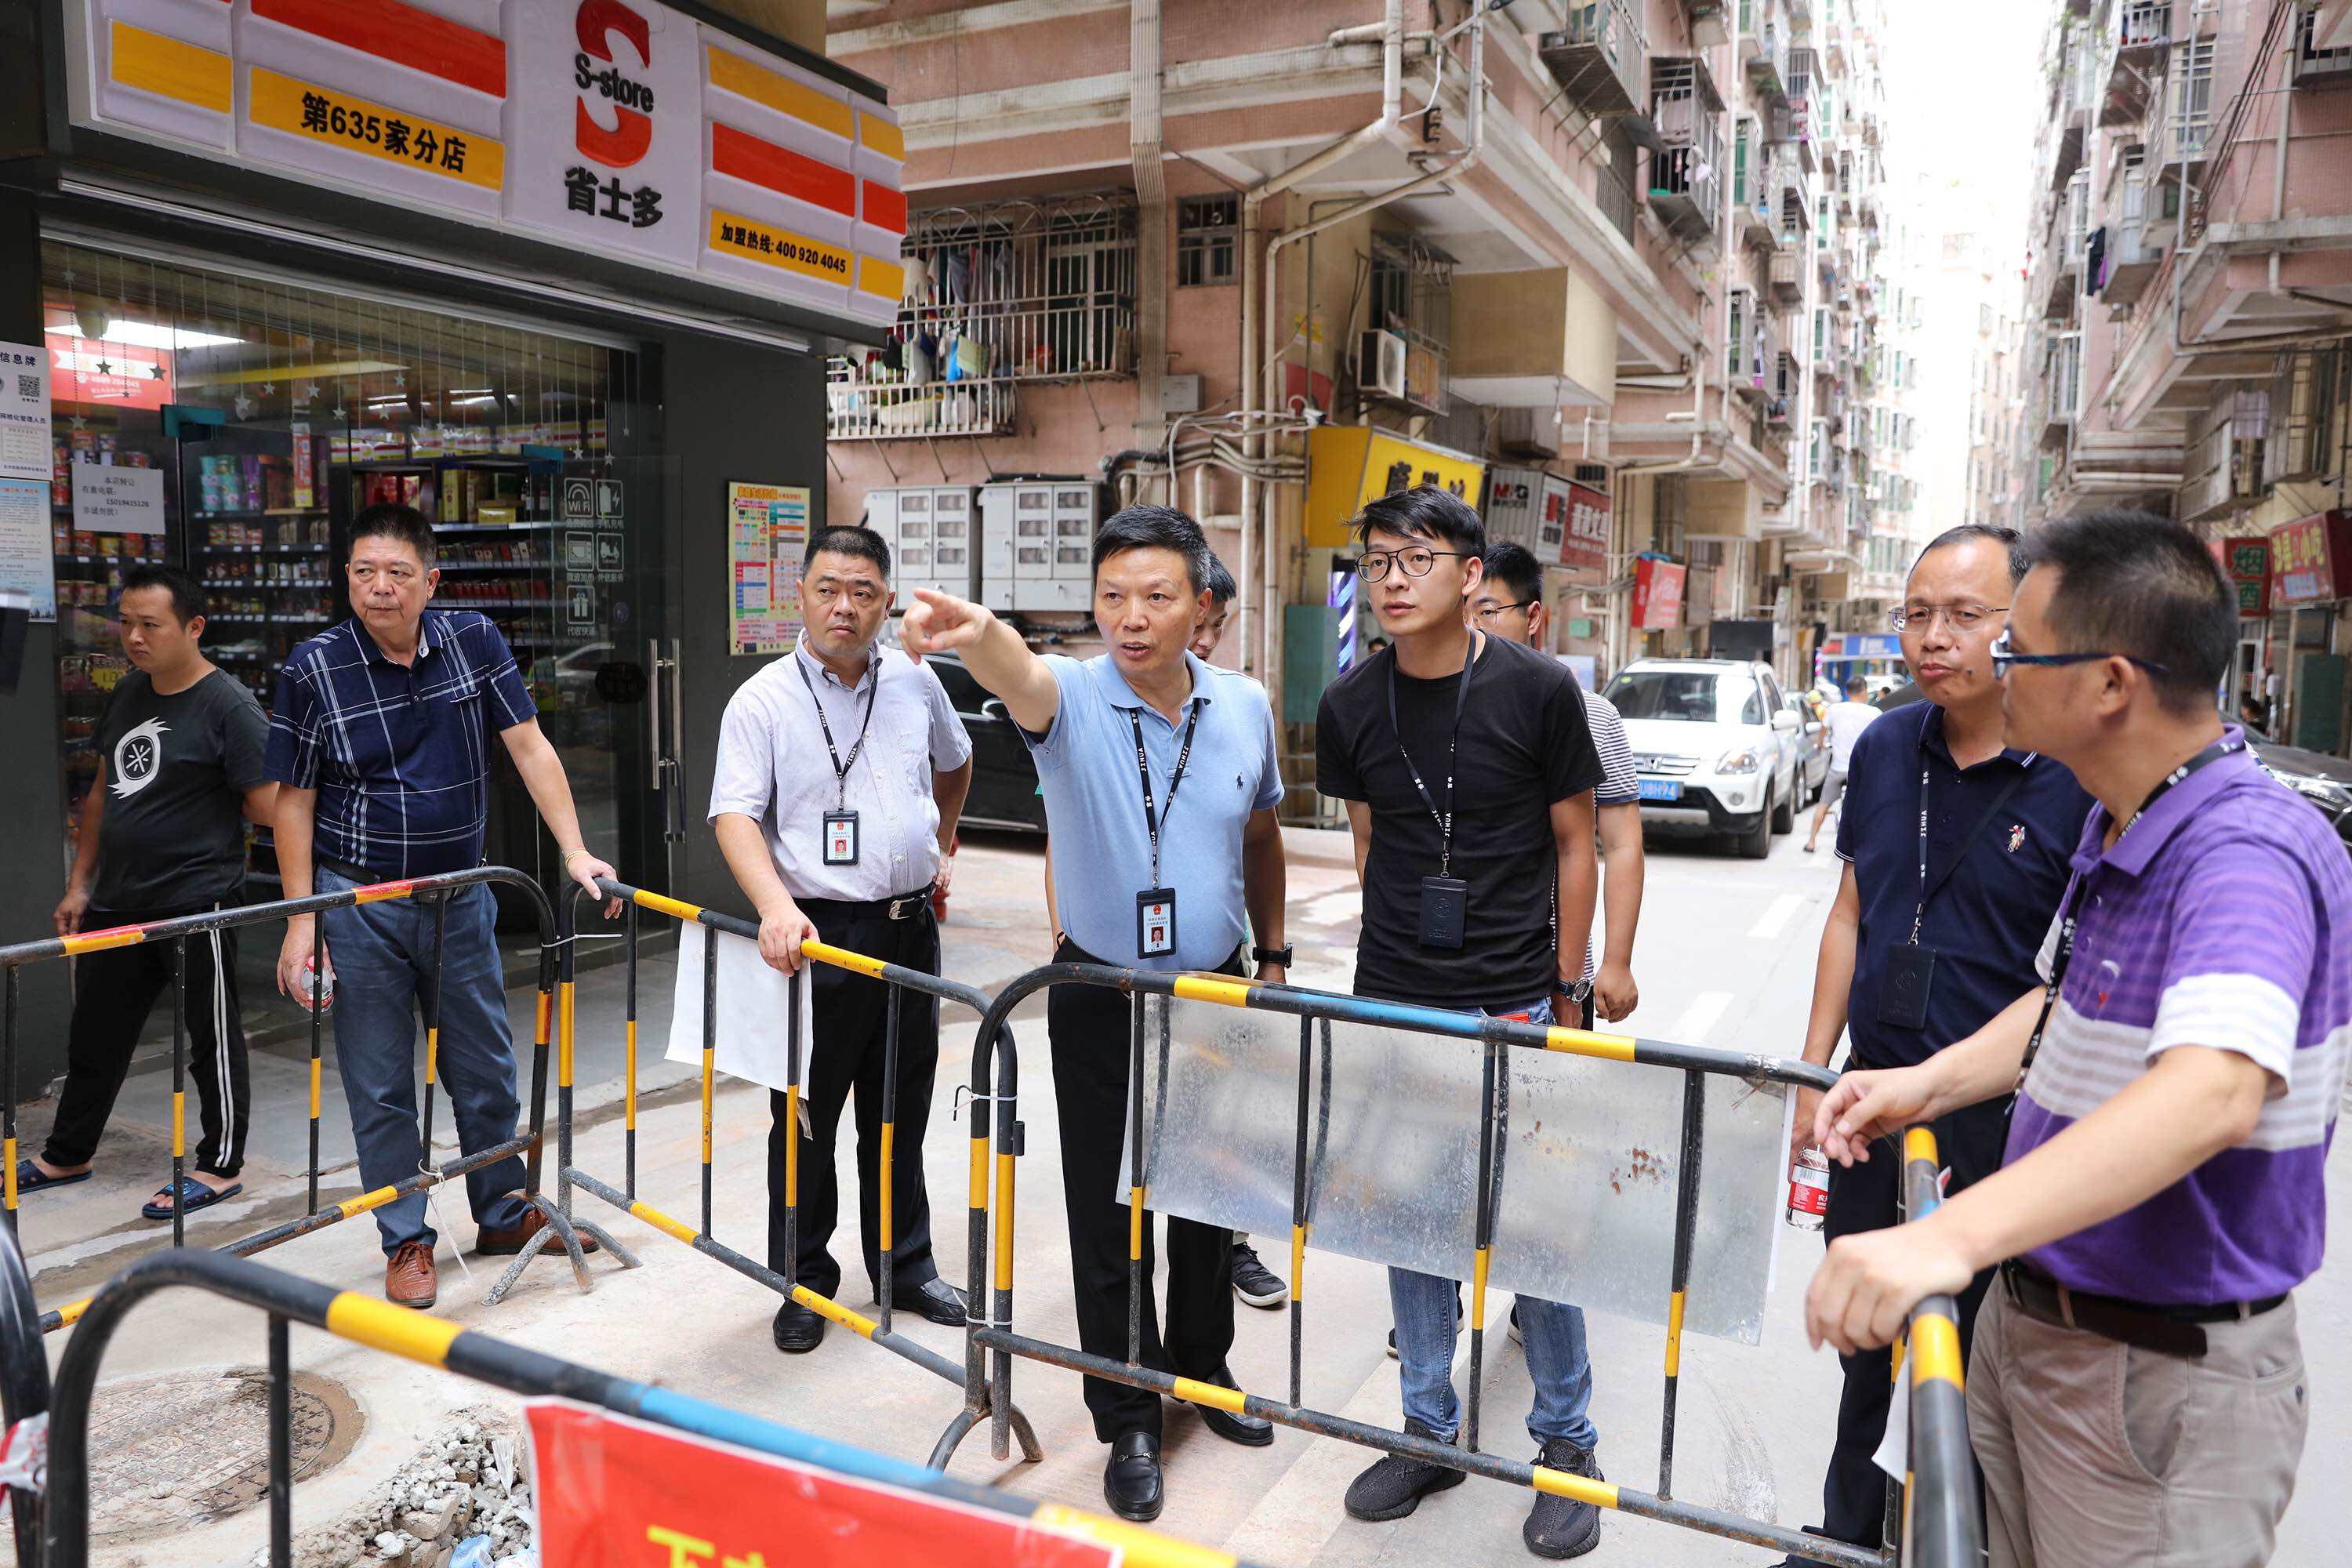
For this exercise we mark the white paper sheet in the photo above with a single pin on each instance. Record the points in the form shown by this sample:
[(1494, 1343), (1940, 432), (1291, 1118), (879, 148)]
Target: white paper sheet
[(752, 999)]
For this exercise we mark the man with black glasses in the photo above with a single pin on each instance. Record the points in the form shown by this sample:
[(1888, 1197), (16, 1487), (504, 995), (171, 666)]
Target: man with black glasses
[(1955, 853), (1477, 897)]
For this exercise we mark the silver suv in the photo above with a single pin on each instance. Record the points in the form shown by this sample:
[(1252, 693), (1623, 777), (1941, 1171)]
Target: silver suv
[(1717, 746)]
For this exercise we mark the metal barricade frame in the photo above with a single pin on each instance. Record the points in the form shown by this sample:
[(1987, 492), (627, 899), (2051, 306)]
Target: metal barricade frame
[(569, 1174), (988, 1391), (62, 1517), (434, 889)]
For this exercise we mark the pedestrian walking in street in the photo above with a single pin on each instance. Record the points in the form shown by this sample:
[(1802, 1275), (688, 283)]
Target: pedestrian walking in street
[(381, 745), (1136, 748), (1956, 852), (1479, 898), (1509, 603), (840, 775), (1847, 720), (179, 774), (2139, 1392)]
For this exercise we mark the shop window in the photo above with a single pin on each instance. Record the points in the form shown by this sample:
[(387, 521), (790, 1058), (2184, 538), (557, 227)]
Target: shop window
[(1207, 233)]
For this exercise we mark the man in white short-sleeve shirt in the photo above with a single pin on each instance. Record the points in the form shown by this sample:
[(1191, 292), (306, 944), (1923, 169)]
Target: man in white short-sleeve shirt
[(840, 773), (1847, 720)]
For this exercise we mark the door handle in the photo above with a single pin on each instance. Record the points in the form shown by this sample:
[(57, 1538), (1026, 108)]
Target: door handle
[(676, 819), (654, 736)]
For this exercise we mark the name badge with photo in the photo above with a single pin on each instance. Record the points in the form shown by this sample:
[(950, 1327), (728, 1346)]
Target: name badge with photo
[(1155, 922), (841, 838)]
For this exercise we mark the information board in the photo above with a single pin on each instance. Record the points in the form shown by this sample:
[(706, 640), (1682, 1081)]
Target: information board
[(766, 531)]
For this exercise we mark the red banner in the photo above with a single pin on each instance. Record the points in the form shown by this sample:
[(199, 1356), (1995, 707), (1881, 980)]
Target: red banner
[(1657, 594), (2248, 562), (2308, 557), (618, 1493), (1586, 544)]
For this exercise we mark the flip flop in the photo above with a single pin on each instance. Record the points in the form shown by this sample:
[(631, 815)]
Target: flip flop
[(193, 1196), (30, 1176)]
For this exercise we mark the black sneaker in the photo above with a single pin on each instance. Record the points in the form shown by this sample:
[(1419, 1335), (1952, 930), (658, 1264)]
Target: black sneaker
[(1563, 1527), (1517, 1338), (1254, 1282), (1395, 1486)]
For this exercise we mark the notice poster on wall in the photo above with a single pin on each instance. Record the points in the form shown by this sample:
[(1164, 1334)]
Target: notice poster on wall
[(27, 559), (24, 412), (767, 530)]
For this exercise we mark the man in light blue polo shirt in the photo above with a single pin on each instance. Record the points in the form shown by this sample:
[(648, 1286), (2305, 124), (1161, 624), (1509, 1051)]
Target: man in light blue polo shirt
[(1160, 781)]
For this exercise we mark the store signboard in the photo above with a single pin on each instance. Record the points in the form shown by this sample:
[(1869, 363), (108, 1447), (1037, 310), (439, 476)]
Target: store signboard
[(1348, 465), (1657, 594), (1585, 546), (2309, 558), (621, 129), (2248, 562)]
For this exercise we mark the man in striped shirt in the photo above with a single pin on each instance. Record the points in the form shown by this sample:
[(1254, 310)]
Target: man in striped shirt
[(1509, 603), (2138, 1393)]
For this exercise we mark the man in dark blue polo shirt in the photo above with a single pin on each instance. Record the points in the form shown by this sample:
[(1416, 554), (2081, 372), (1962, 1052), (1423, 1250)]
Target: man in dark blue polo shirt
[(1956, 852), (382, 745)]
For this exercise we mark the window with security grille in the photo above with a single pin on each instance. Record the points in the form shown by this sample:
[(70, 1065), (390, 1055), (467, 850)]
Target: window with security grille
[(1208, 230)]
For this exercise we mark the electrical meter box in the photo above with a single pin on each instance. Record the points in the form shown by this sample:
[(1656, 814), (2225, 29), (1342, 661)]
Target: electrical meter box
[(1037, 543), (933, 532)]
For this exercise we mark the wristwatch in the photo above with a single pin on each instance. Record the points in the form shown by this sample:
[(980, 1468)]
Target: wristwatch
[(1273, 954)]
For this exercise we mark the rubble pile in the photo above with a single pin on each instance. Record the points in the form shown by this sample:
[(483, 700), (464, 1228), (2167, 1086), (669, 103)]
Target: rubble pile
[(468, 1481)]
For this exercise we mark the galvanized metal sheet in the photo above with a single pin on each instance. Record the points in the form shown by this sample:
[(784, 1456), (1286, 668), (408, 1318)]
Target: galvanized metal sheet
[(1590, 1154)]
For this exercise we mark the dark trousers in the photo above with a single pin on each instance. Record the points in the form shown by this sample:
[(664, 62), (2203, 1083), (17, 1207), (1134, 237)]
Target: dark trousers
[(852, 1023), (114, 990), (1091, 1030), (1862, 1197)]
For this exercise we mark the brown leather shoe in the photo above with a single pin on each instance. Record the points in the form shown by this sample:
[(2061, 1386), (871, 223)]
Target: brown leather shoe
[(493, 1242), (409, 1280)]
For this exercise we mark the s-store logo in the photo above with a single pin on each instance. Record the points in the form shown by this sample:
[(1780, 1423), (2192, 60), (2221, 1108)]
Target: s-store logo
[(631, 102)]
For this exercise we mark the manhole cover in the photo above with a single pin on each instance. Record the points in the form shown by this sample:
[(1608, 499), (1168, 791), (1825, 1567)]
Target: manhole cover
[(179, 1450)]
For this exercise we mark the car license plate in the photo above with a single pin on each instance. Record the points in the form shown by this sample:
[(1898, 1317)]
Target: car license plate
[(1661, 789)]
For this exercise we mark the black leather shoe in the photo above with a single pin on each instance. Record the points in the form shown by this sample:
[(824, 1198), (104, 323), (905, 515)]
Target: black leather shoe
[(798, 1330), (1234, 1426), (1132, 1479), (934, 1301)]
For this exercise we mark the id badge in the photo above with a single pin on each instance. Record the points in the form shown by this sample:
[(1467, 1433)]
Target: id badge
[(1444, 901), (1155, 922), (841, 838), (1910, 976)]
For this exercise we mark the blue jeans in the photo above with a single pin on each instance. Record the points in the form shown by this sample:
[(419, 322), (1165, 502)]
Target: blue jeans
[(382, 956), (1425, 1308)]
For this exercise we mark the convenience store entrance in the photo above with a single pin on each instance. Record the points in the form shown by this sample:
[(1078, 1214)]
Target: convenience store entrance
[(266, 414)]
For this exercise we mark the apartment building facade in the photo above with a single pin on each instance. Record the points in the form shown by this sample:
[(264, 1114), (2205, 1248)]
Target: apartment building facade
[(1608, 267), (2189, 291)]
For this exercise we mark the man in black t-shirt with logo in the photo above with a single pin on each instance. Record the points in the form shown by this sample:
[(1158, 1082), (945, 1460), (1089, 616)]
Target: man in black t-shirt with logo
[(1468, 769), (162, 834)]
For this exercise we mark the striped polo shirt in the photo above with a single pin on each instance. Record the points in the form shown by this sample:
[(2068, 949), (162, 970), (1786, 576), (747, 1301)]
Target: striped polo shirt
[(2223, 918)]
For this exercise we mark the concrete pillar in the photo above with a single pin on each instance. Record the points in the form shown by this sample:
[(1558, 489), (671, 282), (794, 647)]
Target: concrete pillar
[(798, 22)]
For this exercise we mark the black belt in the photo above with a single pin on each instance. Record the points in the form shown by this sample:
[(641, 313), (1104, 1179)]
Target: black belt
[(904, 907), (2172, 1329), (346, 872)]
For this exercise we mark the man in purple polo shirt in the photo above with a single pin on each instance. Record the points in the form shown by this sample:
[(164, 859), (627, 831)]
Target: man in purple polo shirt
[(2138, 1393)]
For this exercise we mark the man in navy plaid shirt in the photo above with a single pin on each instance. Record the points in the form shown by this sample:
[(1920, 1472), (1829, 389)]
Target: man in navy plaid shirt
[(381, 744)]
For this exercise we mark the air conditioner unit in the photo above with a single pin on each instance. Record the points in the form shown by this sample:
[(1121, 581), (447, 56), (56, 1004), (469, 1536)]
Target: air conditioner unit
[(1380, 364)]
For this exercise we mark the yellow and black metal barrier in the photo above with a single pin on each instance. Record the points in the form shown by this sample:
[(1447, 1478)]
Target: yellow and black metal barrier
[(1944, 1483), (434, 891), (1944, 1527), (569, 1175), (63, 1516)]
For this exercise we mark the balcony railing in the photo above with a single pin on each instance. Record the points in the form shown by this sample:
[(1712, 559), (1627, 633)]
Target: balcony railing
[(1597, 57), (1686, 184), (1014, 292)]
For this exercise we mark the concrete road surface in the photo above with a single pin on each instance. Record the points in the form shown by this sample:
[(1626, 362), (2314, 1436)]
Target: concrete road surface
[(1725, 959)]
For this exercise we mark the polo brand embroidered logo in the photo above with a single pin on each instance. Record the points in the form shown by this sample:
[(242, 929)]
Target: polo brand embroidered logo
[(138, 758), (2016, 836)]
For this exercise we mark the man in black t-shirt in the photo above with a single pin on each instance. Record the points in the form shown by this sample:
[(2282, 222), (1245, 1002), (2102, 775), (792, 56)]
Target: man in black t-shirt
[(1468, 769), (162, 834)]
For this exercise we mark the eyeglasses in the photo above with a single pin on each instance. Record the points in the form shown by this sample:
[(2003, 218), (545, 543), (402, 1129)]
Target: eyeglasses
[(398, 576), (1491, 611), (1413, 562), (1960, 617), (2003, 656)]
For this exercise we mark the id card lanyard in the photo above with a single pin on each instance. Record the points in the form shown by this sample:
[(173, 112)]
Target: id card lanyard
[(1445, 899), (1155, 907), (2073, 912), (841, 823)]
